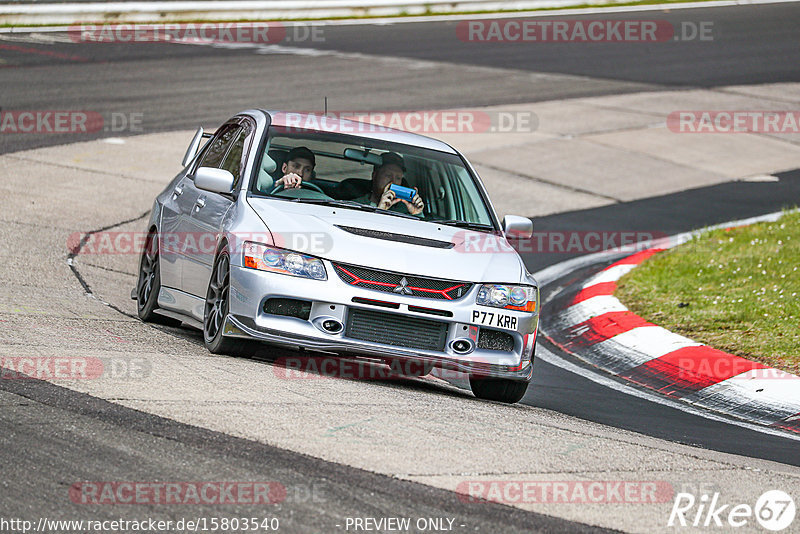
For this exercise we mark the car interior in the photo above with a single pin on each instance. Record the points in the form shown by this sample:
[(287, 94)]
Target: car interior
[(344, 172)]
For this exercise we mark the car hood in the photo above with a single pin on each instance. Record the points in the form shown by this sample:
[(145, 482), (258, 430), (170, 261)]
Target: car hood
[(318, 231)]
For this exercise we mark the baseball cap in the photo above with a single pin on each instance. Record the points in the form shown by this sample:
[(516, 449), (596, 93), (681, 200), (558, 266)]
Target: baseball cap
[(392, 158), (301, 152)]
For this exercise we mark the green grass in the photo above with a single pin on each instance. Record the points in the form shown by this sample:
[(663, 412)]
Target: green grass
[(735, 290)]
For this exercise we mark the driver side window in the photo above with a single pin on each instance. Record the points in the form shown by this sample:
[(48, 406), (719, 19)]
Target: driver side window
[(214, 155), (233, 161)]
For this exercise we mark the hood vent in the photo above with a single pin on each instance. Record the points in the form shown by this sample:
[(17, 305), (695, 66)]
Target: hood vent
[(400, 238)]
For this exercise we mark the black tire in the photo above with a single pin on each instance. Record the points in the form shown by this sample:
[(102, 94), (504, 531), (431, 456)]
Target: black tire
[(498, 389), (216, 310), (149, 284)]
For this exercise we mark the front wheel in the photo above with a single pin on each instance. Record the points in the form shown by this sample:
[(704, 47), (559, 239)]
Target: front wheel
[(216, 309), (498, 389)]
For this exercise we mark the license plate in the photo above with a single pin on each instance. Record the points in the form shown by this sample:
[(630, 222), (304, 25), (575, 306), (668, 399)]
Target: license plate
[(496, 319)]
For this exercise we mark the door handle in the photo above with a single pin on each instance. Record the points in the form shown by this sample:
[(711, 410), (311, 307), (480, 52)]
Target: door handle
[(200, 203)]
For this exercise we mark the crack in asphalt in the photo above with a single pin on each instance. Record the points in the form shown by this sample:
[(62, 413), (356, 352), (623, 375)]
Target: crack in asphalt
[(77, 168), (77, 250), (109, 269)]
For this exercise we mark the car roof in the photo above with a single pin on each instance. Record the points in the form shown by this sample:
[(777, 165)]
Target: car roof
[(312, 122)]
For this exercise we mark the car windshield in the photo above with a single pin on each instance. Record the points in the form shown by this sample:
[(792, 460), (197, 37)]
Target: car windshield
[(343, 174)]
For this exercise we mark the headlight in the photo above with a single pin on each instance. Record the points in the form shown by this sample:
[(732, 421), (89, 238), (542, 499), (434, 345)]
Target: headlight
[(275, 260), (510, 297)]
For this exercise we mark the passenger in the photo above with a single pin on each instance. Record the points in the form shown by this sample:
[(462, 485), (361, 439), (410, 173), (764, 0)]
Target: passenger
[(390, 171), (299, 166)]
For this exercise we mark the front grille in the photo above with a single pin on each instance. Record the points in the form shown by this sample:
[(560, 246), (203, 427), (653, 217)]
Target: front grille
[(495, 340), (401, 284), (397, 330)]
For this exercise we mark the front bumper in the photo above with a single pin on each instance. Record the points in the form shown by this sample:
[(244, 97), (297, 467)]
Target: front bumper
[(333, 299)]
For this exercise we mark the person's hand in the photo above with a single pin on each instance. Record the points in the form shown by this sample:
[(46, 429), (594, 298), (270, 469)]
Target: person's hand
[(415, 205), (290, 181), (387, 198)]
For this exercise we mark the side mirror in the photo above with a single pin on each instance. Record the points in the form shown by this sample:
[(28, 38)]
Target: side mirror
[(214, 180), (191, 152), (517, 227)]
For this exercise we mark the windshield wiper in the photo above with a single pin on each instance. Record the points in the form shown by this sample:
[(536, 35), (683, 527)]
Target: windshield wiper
[(353, 205), (374, 209), (465, 224), (333, 202), (399, 214)]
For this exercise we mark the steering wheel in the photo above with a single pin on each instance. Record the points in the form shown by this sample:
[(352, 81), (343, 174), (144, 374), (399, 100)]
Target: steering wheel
[(313, 187)]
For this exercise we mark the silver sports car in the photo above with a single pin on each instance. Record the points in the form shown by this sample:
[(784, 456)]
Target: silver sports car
[(342, 237)]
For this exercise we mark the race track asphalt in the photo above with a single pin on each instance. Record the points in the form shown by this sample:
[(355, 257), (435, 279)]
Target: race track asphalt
[(178, 86)]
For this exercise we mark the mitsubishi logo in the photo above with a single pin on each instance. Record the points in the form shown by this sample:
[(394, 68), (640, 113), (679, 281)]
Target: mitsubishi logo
[(402, 288)]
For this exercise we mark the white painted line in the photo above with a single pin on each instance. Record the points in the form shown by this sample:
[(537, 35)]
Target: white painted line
[(771, 383), (623, 387), (28, 29), (731, 397), (761, 178)]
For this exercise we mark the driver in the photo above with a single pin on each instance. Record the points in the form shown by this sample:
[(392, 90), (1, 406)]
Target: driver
[(299, 166), (389, 172)]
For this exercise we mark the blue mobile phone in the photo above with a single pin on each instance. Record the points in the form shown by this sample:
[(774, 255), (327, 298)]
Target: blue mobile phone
[(403, 193)]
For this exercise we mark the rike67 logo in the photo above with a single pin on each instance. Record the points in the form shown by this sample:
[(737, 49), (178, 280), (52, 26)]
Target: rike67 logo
[(774, 510)]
